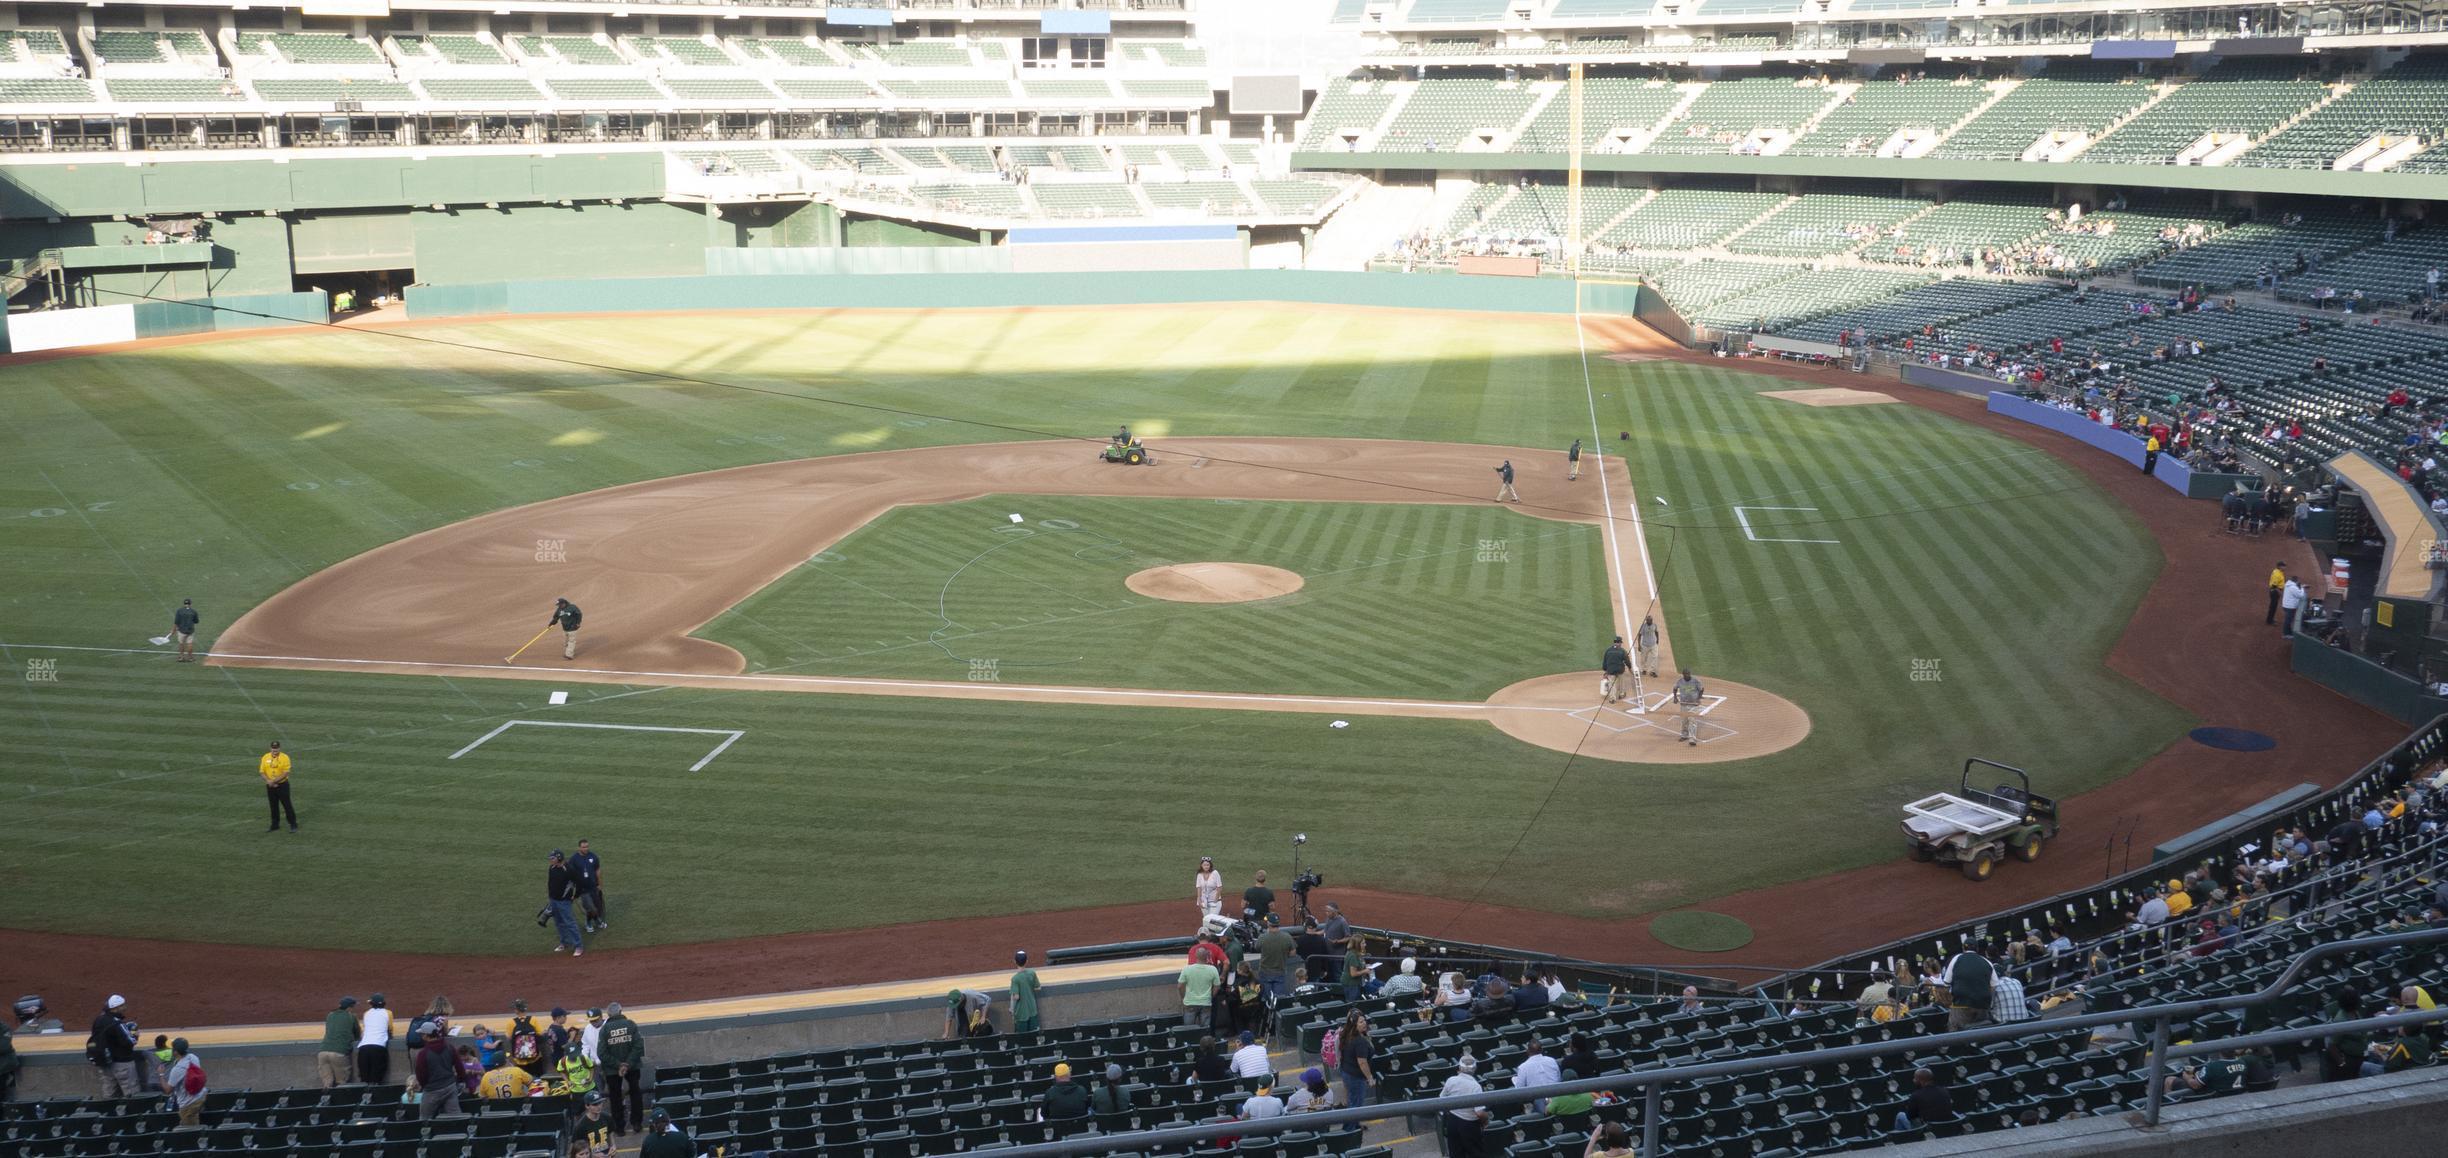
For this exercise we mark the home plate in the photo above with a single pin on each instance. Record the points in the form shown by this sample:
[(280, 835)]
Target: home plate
[(558, 698)]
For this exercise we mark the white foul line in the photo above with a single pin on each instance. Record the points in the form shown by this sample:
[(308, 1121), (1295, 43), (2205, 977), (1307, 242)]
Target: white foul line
[(1606, 498), (730, 735), (1745, 520)]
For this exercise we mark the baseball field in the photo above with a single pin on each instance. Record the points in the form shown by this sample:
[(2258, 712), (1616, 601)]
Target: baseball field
[(1923, 589)]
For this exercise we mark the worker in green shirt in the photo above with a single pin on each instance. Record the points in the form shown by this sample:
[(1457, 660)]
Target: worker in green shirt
[(1023, 994), (621, 1050), (339, 1040)]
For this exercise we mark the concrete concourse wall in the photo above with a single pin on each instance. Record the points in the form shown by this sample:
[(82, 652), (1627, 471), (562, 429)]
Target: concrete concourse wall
[(923, 291)]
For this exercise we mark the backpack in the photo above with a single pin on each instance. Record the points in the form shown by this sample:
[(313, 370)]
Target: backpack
[(195, 1076), (1330, 1049), (525, 1047)]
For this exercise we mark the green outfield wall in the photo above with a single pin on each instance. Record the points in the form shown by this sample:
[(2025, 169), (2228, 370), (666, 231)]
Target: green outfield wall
[(921, 291)]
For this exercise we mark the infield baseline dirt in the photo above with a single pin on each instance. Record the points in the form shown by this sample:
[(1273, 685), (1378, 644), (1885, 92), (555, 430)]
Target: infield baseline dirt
[(2193, 639)]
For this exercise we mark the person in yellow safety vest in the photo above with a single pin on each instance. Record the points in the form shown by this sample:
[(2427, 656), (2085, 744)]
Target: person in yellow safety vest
[(577, 1071)]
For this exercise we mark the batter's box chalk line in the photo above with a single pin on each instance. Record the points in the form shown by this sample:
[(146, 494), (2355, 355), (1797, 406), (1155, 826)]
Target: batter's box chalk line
[(730, 735), (1656, 713)]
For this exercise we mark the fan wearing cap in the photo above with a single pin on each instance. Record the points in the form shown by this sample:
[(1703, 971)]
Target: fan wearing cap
[(561, 888), (1023, 994), (339, 1037), (374, 1042), (565, 615), (111, 1047), (1250, 1061), (664, 1140), (1465, 1127), (1064, 1105), (594, 1129)]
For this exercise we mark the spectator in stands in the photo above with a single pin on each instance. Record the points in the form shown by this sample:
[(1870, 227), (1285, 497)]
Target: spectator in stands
[(1405, 982), (1931, 1103), (2342, 1053), (1579, 1058), (1023, 994), (1241, 1002), (2179, 901), (965, 1014), (2006, 1002), (2154, 911), (187, 1085), (559, 1042), (438, 1011), (1313, 1095), (1452, 1001), (1495, 998), (112, 1048), (1608, 1141), (1250, 1061), (433, 1072), (1536, 1068), (622, 1052), (1358, 974), (1317, 960), (1208, 1062), (1111, 1099), (1464, 1127), (339, 1037), (663, 1139), (471, 1071), (1336, 930), (1691, 1000), (1879, 992), (1530, 995), (1262, 1105), (507, 1080), (528, 1045), (1275, 948), (1970, 982), (1357, 1065), (594, 1130), (1064, 1105)]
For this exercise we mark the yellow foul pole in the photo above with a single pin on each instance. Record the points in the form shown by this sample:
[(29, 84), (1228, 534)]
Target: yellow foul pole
[(1572, 180)]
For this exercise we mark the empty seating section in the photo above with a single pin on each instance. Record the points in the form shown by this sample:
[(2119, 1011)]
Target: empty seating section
[(1346, 107), (955, 158), (1450, 113), (1028, 156), (1880, 108), (1687, 218), (45, 90), (1803, 297), (128, 46), (2239, 254), (2392, 273), (1610, 105), (715, 89), (2411, 98), (310, 47), (1956, 228), (1937, 303), (1819, 224), (1291, 198), (1066, 88), (324, 92), (950, 90), (1729, 112), (746, 162), (171, 90), (681, 50), (855, 159), (488, 90), (1083, 199), (1692, 288), (1217, 198), (568, 50), (986, 200), (32, 44), (1174, 54), (1455, 11), (348, 1122), (789, 51), (2064, 99), (2244, 96), (1566, 8), (604, 88), (824, 90), (926, 54), (467, 50)]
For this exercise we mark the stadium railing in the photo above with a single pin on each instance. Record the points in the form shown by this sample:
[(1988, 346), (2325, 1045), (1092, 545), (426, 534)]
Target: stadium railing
[(1650, 1084)]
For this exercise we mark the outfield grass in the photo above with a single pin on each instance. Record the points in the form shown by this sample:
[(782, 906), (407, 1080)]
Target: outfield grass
[(225, 471), (929, 592)]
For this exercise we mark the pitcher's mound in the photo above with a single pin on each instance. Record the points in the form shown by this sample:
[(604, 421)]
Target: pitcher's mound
[(1831, 396), (1214, 582)]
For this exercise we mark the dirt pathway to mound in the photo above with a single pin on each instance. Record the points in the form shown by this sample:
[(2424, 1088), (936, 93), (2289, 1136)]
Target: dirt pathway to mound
[(2196, 638)]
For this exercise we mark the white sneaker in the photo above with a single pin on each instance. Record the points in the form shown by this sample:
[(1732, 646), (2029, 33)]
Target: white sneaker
[(577, 952)]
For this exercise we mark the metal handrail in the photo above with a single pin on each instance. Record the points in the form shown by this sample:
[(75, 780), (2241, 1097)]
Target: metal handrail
[(1651, 1081)]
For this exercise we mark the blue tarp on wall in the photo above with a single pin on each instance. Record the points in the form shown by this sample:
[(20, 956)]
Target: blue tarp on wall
[(869, 17), (1059, 22)]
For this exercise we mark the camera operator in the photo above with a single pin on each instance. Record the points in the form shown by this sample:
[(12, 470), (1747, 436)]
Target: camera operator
[(1258, 898)]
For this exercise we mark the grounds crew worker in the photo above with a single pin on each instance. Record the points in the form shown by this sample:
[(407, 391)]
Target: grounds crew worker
[(1687, 693), (183, 624), (1572, 455), (1504, 484), (566, 615), (1613, 665), (1646, 640), (275, 769)]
